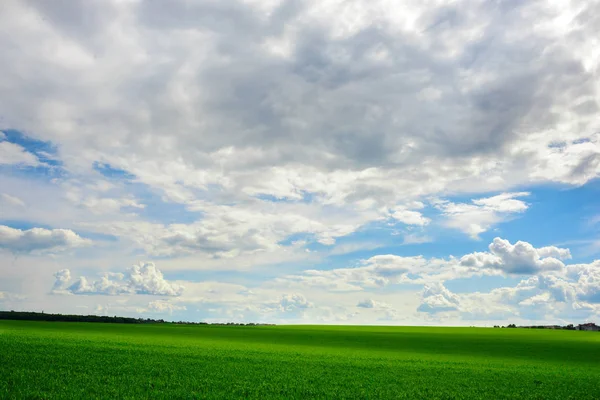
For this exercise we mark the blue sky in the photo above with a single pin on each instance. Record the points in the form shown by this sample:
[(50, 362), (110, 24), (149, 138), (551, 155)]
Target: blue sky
[(327, 162)]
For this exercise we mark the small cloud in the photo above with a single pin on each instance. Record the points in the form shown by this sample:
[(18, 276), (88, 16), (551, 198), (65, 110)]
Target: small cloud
[(11, 200), (416, 239), (478, 217), (348, 248), (368, 303), (292, 302), (39, 240), (436, 298), (162, 306), (13, 154), (407, 214)]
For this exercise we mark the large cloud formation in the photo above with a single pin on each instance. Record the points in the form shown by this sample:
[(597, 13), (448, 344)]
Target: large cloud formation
[(251, 132), (144, 278), (355, 104)]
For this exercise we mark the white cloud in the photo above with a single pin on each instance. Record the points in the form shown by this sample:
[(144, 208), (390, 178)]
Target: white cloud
[(520, 258), (379, 271), (483, 213), (9, 200), (293, 302), (12, 153), (144, 278), (162, 306), (436, 298), (374, 304), (413, 238), (39, 240), (62, 278), (234, 231), (407, 215), (259, 122), (368, 303), (587, 277), (477, 124)]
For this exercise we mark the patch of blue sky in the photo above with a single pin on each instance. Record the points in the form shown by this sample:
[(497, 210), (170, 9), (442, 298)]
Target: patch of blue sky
[(397, 287), (26, 225), (581, 140), (46, 153), (249, 279), (307, 197), (297, 237), (157, 210), (95, 236), (111, 172), (556, 216), (23, 225), (483, 284), (43, 171), (382, 237)]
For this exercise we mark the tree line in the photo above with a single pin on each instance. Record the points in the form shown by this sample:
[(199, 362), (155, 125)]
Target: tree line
[(36, 316)]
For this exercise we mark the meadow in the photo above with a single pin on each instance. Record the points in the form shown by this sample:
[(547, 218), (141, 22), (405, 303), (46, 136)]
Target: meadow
[(56, 360)]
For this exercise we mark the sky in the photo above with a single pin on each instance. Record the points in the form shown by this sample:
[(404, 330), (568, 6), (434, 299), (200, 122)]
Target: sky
[(306, 161)]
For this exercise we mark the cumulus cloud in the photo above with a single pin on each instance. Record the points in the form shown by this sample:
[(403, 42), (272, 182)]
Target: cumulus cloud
[(436, 298), (294, 302), (39, 240), (144, 278), (483, 213), (368, 303), (587, 277), (520, 258), (547, 296), (62, 278), (408, 215)]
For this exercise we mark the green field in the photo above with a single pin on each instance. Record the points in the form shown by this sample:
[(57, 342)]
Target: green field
[(47, 360)]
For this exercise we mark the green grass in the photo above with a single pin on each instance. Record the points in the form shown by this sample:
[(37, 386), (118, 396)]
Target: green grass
[(49, 360)]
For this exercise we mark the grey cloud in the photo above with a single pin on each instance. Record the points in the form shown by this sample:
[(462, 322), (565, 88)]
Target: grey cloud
[(330, 96), (368, 303), (236, 99)]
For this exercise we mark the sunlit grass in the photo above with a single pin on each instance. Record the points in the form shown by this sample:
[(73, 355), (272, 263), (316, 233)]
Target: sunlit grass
[(84, 360)]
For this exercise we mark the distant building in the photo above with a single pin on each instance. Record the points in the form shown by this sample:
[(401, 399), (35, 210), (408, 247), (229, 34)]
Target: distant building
[(590, 326)]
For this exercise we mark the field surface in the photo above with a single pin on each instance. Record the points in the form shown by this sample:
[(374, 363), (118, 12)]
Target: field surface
[(51, 360)]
